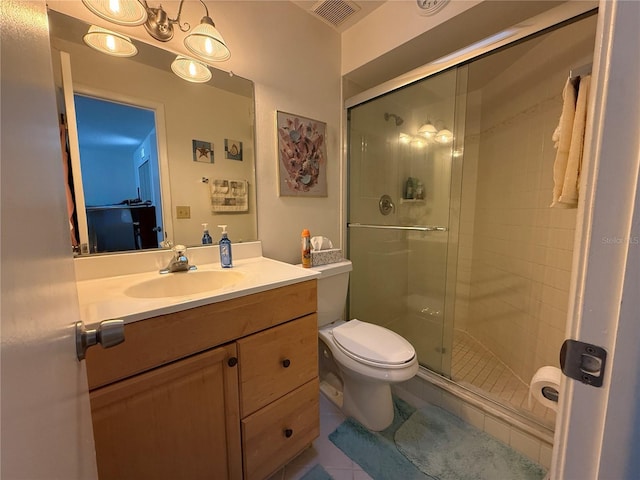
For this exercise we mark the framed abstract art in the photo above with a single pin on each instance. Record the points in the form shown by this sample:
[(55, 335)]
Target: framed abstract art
[(302, 156)]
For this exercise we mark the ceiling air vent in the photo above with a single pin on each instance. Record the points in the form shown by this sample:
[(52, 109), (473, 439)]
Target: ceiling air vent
[(334, 12)]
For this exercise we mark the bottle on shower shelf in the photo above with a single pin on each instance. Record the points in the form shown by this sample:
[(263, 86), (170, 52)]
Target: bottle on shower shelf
[(409, 191)]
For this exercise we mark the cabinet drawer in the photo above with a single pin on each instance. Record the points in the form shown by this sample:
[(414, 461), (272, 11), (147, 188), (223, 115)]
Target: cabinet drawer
[(277, 433), (275, 361)]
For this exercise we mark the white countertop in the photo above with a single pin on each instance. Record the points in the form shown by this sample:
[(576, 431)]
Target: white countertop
[(105, 298)]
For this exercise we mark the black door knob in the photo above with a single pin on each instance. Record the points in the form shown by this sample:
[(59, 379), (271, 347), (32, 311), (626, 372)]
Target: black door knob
[(286, 362), (288, 432), (232, 362)]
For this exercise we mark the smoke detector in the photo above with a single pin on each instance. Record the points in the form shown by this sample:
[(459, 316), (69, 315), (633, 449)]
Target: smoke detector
[(334, 12)]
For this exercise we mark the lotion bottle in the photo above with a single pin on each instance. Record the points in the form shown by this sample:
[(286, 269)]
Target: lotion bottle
[(225, 249), (206, 238)]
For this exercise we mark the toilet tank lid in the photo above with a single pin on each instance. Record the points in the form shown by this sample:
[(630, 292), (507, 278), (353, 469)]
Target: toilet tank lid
[(334, 268)]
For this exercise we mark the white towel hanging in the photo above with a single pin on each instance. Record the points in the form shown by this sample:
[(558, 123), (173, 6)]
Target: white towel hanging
[(569, 141)]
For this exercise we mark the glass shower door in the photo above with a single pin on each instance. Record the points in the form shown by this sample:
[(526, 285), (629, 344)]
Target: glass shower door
[(399, 214)]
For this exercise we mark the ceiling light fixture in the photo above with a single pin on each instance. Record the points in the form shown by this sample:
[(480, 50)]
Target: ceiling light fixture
[(444, 136), (205, 41), (427, 130), (404, 138), (128, 13), (191, 70), (111, 43), (159, 25)]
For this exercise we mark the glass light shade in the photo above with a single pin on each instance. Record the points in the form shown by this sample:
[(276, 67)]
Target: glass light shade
[(205, 42), (109, 42), (128, 13), (444, 136), (427, 130), (191, 70), (404, 138), (418, 141)]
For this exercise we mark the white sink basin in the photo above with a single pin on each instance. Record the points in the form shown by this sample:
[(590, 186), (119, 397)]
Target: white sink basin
[(183, 283)]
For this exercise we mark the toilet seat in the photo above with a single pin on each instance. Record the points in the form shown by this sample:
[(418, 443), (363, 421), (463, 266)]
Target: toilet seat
[(373, 345)]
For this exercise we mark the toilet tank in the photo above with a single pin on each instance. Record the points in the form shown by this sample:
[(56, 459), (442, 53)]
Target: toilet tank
[(333, 284)]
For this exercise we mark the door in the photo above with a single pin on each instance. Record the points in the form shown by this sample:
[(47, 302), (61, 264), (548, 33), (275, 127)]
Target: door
[(46, 423), (598, 429), (400, 181)]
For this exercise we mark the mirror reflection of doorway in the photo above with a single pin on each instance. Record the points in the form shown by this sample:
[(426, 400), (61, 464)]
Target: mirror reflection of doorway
[(120, 174)]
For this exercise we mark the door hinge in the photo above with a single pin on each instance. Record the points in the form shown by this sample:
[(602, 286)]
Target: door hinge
[(583, 361)]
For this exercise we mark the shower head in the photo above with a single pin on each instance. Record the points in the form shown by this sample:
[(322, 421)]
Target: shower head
[(399, 121)]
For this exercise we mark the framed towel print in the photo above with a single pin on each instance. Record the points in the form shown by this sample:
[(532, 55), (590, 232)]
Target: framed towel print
[(302, 156)]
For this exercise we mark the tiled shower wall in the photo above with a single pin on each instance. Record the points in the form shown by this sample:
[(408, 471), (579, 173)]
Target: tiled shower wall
[(516, 252)]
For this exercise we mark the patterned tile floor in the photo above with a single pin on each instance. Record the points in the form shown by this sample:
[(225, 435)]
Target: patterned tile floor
[(477, 368), (324, 452)]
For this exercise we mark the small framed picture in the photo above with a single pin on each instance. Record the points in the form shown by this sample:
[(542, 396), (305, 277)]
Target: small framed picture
[(232, 149), (202, 151)]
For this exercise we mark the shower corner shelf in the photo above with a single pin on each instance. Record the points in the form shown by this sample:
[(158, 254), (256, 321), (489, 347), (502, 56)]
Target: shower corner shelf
[(412, 200)]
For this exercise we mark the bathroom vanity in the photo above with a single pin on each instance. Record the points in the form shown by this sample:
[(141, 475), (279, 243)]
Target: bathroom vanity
[(219, 388)]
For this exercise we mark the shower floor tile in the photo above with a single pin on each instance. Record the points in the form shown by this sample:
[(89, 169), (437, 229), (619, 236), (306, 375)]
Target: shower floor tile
[(476, 367)]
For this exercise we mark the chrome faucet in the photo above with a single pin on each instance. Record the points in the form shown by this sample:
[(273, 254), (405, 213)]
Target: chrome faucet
[(179, 262)]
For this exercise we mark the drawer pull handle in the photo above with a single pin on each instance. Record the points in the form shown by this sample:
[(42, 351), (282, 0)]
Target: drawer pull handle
[(286, 362), (288, 432), (232, 362)]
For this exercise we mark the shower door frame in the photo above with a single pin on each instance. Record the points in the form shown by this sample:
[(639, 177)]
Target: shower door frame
[(551, 20)]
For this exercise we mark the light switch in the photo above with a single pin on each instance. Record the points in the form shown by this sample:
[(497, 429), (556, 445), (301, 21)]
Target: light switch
[(183, 212)]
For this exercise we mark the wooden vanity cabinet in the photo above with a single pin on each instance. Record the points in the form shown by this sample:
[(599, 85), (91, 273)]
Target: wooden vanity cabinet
[(222, 391)]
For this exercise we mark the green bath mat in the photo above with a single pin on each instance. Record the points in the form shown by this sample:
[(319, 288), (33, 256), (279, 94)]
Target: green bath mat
[(376, 452), (444, 446), (430, 443)]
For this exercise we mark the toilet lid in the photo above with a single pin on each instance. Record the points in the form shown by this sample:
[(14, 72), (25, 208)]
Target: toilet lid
[(373, 343)]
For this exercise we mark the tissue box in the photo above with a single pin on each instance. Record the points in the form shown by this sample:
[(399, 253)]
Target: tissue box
[(323, 257)]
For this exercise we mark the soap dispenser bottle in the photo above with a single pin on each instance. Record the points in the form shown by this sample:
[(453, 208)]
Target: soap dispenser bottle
[(225, 249), (206, 238)]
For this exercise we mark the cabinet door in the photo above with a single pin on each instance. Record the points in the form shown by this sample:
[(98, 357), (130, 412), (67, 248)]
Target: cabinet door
[(180, 421)]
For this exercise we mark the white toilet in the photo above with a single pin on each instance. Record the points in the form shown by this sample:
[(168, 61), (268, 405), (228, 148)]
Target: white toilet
[(358, 360)]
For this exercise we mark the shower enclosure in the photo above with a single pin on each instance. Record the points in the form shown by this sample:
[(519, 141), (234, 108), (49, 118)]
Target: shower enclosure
[(450, 231)]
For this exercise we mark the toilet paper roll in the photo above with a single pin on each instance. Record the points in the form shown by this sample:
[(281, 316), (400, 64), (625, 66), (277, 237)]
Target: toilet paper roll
[(545, 386)]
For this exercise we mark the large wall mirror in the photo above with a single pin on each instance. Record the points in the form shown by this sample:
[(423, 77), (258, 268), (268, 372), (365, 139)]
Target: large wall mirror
[(151, 157)]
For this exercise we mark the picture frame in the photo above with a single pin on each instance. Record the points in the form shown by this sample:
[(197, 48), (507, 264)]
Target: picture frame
[(232, 149), (202, 151), (302, 156)]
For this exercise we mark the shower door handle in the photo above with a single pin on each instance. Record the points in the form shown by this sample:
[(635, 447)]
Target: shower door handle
[(417, 228)]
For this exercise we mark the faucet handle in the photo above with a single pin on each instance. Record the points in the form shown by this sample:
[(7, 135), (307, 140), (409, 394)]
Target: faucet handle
[(180, 250)]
